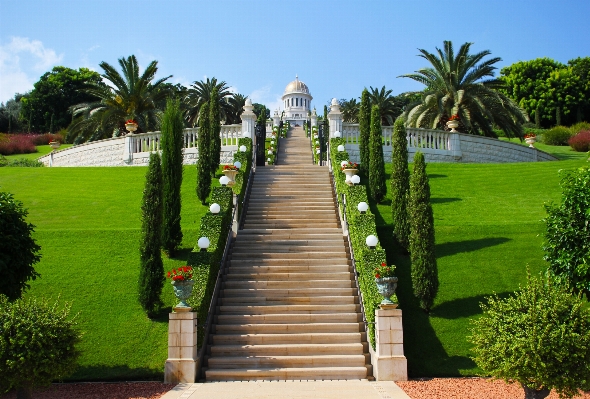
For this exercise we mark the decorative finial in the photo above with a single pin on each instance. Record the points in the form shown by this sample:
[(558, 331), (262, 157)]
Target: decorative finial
[(296, 77)]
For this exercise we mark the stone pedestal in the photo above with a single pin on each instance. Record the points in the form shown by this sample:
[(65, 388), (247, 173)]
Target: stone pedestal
[(389, 362), (181, 364), (335, 118), (249, 120)]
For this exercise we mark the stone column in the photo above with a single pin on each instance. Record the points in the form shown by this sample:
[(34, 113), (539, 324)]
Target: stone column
[(314, 118), (335, 118), (276, 119), (389, 363), (181, 365), (128, 149), (249, 120)]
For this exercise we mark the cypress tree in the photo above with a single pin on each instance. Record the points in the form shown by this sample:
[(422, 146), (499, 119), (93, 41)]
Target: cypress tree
[(424, 269), (172, 160), (376, 164), (400, 184), (151, 272), (364, 130), (203, 163), (214, 130)]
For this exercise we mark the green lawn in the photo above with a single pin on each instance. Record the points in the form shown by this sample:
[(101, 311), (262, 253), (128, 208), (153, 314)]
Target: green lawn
[(562, 152), (41, 150), (88, 225), (488, 229)]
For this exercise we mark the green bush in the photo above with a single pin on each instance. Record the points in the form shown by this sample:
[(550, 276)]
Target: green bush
[(377, 187), (20, 162), (539, 337), (364, 130), (559, 135), (37, 344), (400, 184), (579, 127), (214, 130), (204, 163)]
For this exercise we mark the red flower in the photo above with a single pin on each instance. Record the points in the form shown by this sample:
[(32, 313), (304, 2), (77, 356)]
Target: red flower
[(377, 275), (383, 264), (168, 274)]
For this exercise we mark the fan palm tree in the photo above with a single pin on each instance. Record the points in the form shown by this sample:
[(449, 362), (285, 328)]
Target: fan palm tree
[(350, 110), (200, 93), (120, 97), (386, 103), (455, 85)]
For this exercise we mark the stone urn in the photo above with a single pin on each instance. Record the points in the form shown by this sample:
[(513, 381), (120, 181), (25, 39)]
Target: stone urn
[(183, 290), (453, 125), (530, 141), (231, 175), (349, 173), (131, 127), (386, 287), (54, 145)]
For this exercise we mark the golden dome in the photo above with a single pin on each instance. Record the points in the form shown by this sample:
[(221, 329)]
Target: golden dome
[(296, 86)]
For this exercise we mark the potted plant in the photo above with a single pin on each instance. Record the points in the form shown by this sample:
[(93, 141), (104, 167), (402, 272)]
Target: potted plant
[(386, 284), (131, 125), (54, 144), (453, 123), (182, 282), (530, 139)]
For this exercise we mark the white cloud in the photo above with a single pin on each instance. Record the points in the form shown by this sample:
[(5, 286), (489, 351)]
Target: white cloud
[(18, 76), (264, 96)]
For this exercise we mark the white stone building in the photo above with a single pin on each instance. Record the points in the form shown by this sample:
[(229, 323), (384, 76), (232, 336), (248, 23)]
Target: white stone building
[(296, 102)]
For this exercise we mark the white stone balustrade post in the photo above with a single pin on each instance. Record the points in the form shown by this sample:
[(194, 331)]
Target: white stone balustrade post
[(314, 118), (455, 146), (249, 120), (276, 119), (335, 118), (181, 365), (389, 362), (128, 149)]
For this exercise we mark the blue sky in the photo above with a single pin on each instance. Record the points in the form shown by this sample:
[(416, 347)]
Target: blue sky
[(336, 47)]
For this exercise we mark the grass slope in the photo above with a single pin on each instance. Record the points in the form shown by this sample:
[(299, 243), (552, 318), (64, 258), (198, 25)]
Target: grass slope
[(488, 229), (88, 225), (41, 150)]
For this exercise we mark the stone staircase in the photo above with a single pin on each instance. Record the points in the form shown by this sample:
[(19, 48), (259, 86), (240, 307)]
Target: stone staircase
[(289, 309)]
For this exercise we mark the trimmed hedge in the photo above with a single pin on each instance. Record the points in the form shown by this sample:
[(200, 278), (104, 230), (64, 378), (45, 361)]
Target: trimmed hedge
[(559, 135)]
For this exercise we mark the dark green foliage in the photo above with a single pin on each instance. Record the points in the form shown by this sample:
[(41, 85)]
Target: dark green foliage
[(245, 158), (20, 162), (377, 186), (364, 130), (37, 344), (400, 184), (539, 337), (18, 249), (567, 245), (424, 269), (172, 160), (203, 163), (214, 130), (559, 135), (151, 272)]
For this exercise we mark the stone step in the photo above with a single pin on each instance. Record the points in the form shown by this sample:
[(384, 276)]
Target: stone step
[(317, 253), (292, 233), (289, 318), (269, 248), (288, 309), (284, 224), (276, 292), (289, 269), (270, 241), (274, 339), (279, 374), (233, 362), (241, 284), (287, 262), (264, 301), (286, 215), (269, 328), (231, 275), (288, 349)]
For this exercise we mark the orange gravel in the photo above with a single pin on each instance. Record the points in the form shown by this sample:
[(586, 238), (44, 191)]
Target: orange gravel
[(466, 388), (97, 390)]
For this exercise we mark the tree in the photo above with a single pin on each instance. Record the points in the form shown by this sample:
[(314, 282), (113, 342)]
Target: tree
[(258, 109), (121, 97), (172, 160), (151, 272), (10, 115), (214, 133), (350, 110), (47, 106), (567, 239), (400, 184), (237, 102), (203, 163), (581, 67), (37, 344), (386, 103), (454, 86), (364, 130), (18, 249), (538, 337), (377, 185), (200, 94), (424, 268)]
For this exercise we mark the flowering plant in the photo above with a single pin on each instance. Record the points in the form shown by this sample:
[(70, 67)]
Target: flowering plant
[(129, 121), (181, 274), (229, 167), (383, 271), (530, 135), (454, 117), (350, 165)]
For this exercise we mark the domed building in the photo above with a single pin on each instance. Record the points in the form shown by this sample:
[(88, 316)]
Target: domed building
[(296, 102)]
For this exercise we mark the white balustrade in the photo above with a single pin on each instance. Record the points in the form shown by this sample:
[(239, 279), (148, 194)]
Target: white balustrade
[(230, 134)]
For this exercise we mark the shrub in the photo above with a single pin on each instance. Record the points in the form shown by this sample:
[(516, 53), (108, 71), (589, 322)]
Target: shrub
[(18, 249), (20, 162), (539, 337), (377, 186), (44, 139), (364, 130), (424, 269), (214, 130), (151, 272), (581, 141), (17, 144), (37, 344), (400, 184), (203, 163), (172, 158), (579, 127), (559, 135), (567, 238)]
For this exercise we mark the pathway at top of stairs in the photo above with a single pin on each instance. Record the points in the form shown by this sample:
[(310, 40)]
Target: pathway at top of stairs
[(289, 309)]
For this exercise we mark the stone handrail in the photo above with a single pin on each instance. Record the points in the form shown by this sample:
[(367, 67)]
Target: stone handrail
[(417, 138)]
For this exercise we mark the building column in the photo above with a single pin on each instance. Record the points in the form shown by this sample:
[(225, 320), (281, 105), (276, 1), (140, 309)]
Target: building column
[(181, 365), (389, 362)]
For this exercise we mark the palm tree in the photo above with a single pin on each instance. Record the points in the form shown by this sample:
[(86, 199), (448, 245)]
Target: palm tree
[(455, 86), (386, 103), (200, 93), (350, 110), (120, 97), (237, 102)]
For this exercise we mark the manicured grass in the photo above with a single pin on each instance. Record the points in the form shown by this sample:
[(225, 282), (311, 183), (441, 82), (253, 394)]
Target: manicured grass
[(562, 152), (488, 229), (88, 225), (41, 150)]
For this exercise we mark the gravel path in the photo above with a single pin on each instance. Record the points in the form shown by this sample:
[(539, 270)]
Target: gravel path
[(436, 388)]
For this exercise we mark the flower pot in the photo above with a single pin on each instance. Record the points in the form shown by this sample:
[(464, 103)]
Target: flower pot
[(530, 141), (386, 287), (131, 127), (453, 125), (54, 145), (231, 175), (183, 290), (349, 173)]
